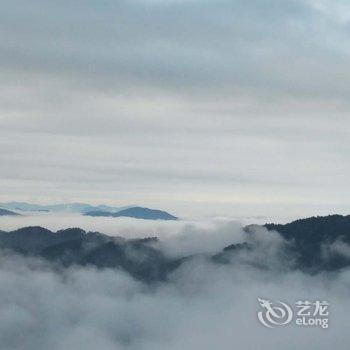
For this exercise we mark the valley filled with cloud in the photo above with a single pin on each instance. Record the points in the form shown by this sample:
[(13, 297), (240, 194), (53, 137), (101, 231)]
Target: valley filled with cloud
[(203, 303)]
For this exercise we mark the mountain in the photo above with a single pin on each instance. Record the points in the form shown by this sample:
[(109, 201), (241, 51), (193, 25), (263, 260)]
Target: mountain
[(136, 212), (99, 213), (145, 213), (65, 207), (312, 245), (90, 210), (5, 212), (76, 247), (319, 243), (315, 230), (224, 257)]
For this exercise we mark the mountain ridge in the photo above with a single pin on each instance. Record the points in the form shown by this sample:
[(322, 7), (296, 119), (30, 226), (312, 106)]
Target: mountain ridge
[(310, 245), (5, 212), (72, 207), (137, 213)]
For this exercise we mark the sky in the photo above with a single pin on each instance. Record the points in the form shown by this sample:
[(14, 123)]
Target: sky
[(200, 108)]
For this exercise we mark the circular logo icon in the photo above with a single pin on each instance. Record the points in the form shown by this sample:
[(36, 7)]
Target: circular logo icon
[(272, 316)]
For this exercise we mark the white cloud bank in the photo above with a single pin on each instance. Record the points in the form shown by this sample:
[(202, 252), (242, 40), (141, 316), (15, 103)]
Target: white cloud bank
[(203, 306)]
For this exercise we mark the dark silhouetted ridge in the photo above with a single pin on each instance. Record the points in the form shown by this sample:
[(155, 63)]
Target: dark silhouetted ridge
[(5, 212)]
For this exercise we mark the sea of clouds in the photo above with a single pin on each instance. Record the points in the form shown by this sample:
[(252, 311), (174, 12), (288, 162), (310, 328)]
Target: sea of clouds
[(202, 306)]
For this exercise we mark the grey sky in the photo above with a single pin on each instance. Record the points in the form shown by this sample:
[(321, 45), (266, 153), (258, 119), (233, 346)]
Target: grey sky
[(198, 107)]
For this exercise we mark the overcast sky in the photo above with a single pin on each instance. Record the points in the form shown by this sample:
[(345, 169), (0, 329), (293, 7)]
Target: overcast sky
[(196, 107)]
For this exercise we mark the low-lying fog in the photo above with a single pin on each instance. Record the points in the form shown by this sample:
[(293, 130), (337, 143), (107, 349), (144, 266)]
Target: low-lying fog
[(203, 306), (127, 227), (183, 236)]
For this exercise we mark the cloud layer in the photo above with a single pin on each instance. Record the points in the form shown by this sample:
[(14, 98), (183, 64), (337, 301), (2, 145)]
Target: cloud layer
[(200, 107), (202, 306)]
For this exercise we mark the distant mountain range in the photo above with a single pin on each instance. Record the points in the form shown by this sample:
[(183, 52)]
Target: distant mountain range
[(89, 210), (312, 245), (65, 207), (136, 212), (5, 212)]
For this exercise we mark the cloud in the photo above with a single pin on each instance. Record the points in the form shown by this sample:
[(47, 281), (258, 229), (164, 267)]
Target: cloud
[(165, 102), (202, 306), (194, 239), (177, 238), (205, 46), (220, 108), (260, 48), (339, 248)]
